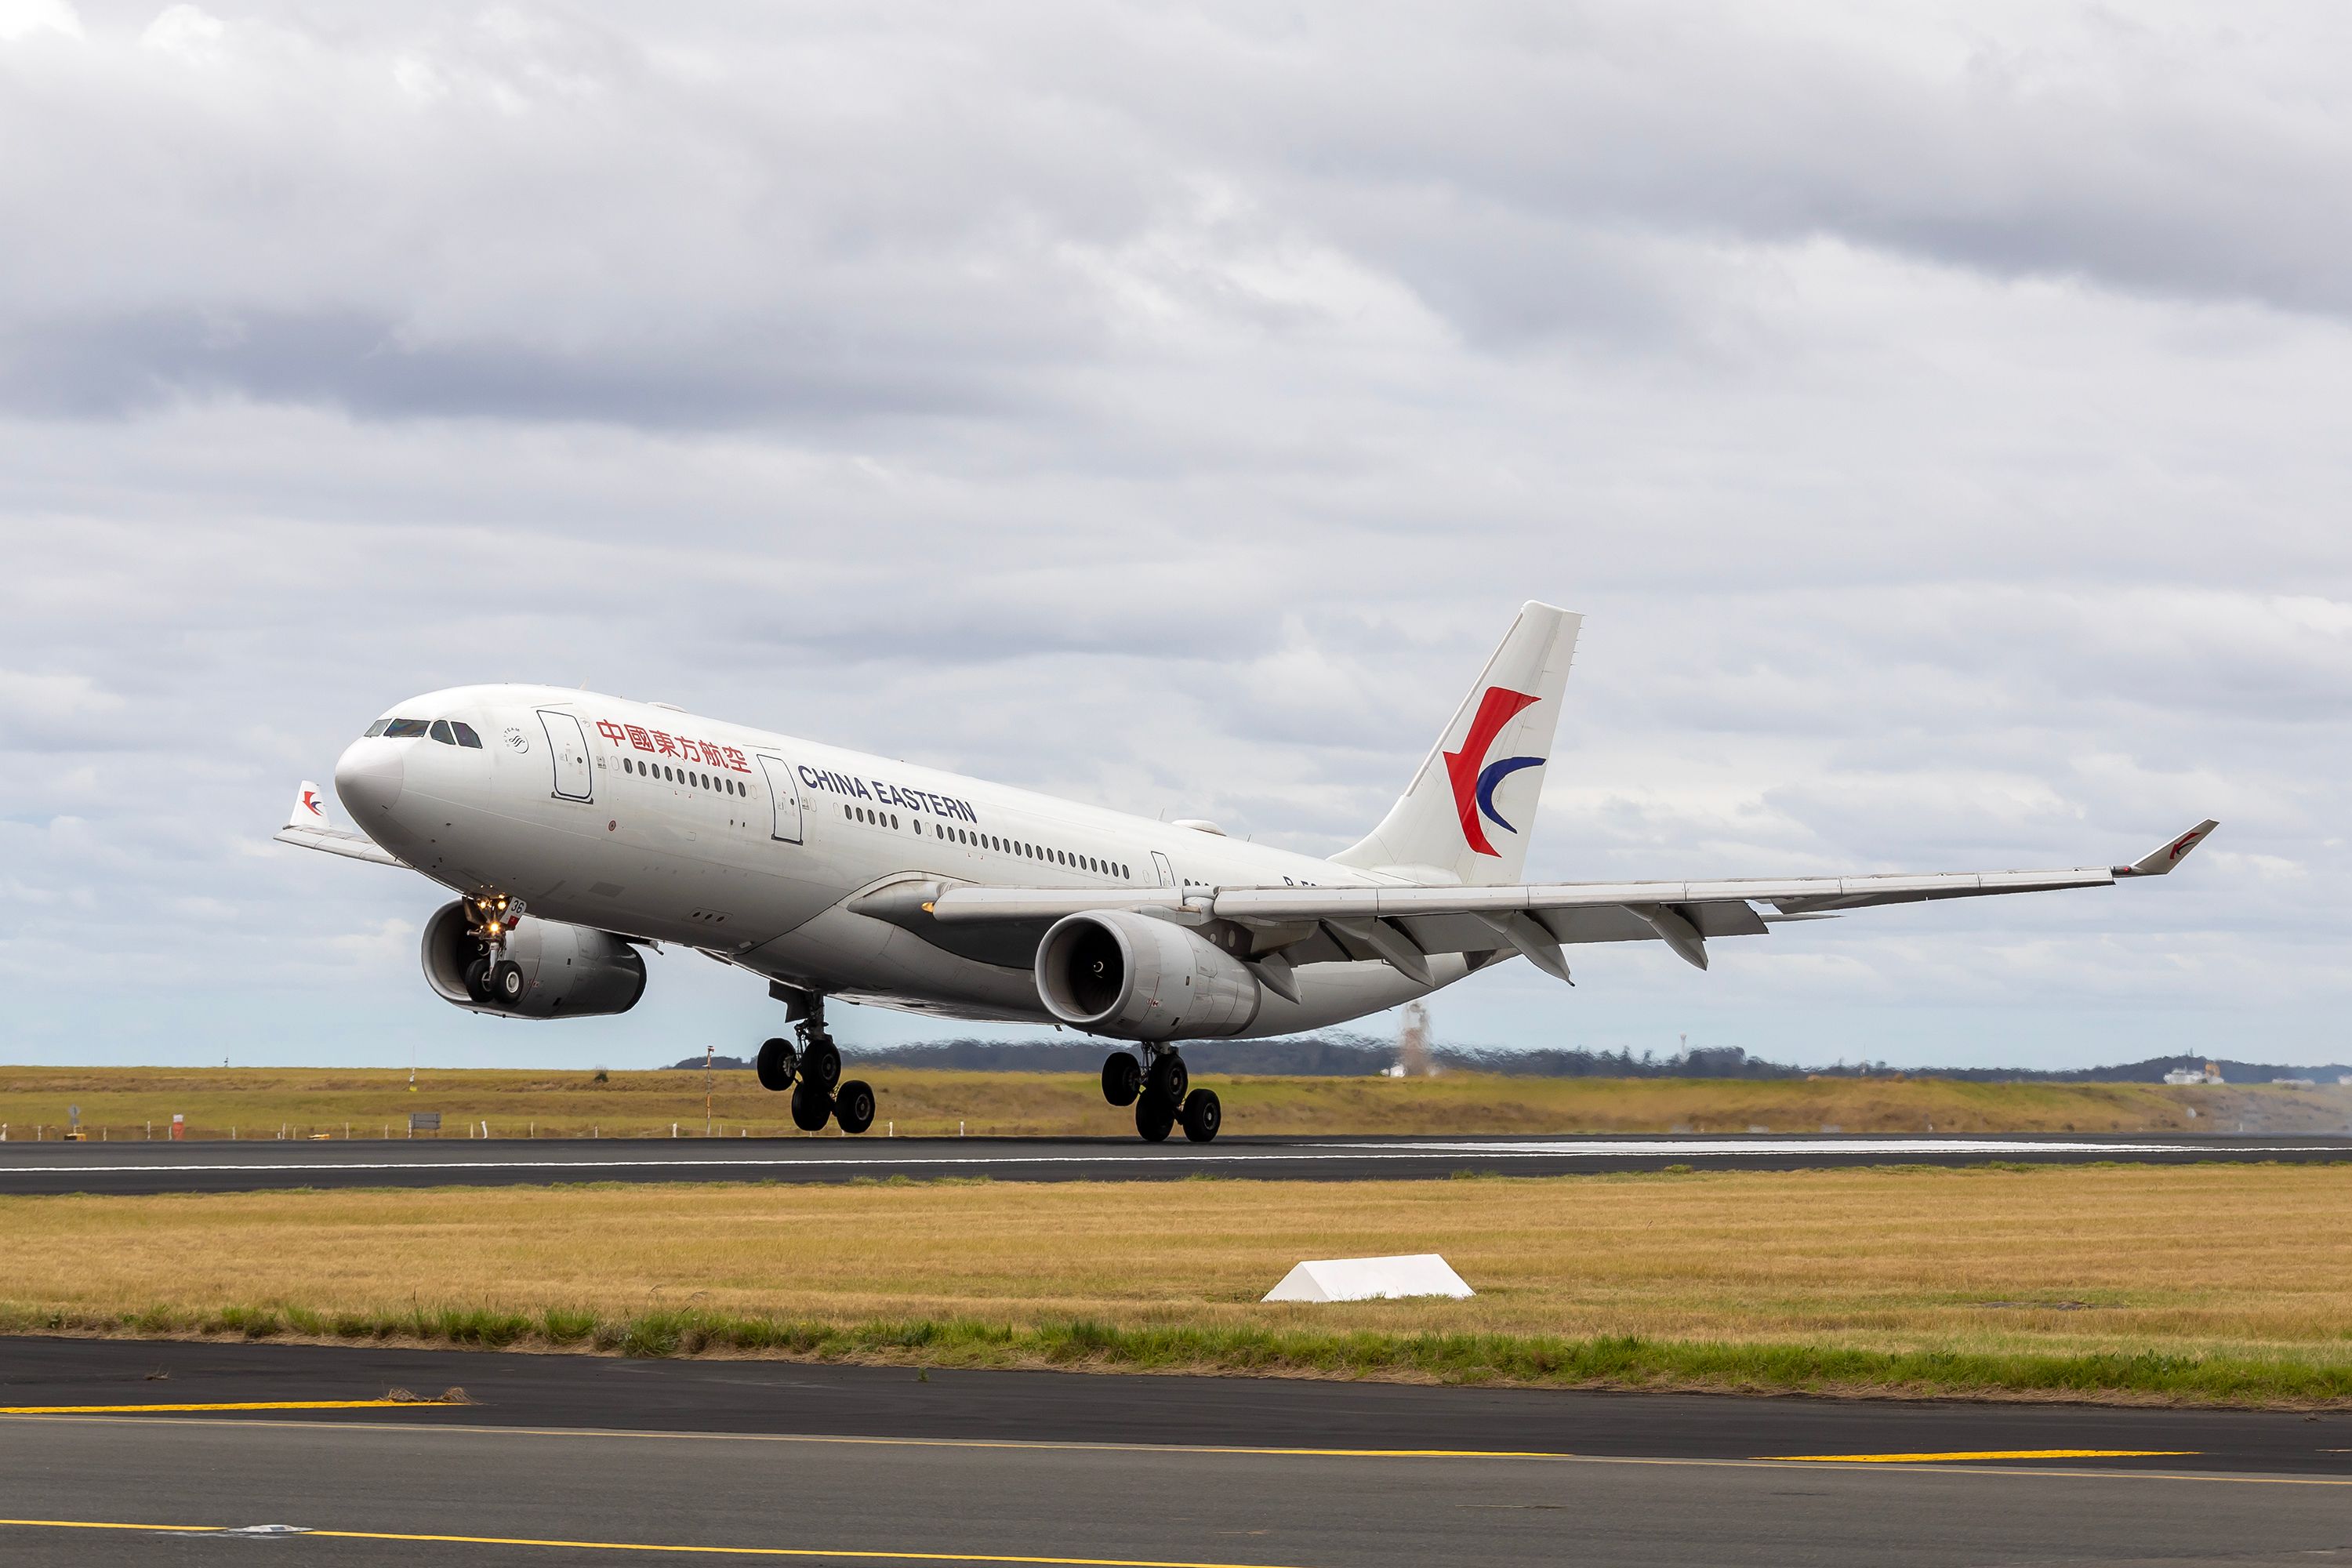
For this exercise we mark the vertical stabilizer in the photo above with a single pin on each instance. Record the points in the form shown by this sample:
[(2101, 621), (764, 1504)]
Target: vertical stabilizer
[(1472, 805)]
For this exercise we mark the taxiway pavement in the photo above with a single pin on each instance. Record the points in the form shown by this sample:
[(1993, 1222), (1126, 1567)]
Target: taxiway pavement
[(574, 1459), (255, 1164)]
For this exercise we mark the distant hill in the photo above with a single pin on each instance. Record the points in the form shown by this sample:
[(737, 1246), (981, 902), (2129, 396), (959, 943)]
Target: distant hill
[(1346, 1055)]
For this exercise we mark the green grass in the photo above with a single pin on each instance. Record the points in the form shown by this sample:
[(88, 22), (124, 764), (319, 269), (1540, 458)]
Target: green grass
[(1518, 1359), (122, 1104)]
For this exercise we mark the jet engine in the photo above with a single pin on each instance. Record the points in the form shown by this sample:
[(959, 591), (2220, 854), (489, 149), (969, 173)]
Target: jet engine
[(558, 971), (1137, 977)]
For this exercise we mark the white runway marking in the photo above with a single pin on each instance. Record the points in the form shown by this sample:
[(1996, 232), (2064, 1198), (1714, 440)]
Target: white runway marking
[(1597, 1148)]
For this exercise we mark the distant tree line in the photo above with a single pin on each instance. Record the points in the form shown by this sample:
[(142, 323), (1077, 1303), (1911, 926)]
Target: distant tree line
[(1347, 1054)]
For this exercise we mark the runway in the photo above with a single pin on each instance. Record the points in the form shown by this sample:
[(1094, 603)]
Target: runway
[(259, 1164), (565, 1459)]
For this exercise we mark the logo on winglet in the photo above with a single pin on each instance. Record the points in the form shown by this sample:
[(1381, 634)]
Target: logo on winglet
[(311, 802), (1474, 778), (2187, 842)]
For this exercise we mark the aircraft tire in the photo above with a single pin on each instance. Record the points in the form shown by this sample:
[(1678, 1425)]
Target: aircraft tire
[(1202, 1115), (1168, 1080), (811, 1106), (852, 1107), (477, 979), (1154, 1119), (1122, 1079), (821, 1063), (778, 1065), (507, 983)]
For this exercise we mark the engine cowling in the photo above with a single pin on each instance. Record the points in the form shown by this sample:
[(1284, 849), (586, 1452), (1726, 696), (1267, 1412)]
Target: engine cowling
[(570, 971), (1134, 977)]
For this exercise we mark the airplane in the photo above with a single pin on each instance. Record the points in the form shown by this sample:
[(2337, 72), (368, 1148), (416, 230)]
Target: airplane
[(575, 828)]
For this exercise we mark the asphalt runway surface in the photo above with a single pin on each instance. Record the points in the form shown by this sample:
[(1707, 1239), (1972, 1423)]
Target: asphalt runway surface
[(258, 1163), (577, 1459)]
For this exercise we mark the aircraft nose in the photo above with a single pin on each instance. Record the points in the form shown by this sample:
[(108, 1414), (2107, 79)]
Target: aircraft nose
[(368, 778)]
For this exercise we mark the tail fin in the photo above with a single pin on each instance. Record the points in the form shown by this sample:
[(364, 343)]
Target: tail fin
[(1468, 814)]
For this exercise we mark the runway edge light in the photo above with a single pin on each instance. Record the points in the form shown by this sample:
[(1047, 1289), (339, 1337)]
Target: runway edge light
[(1370, 1278)]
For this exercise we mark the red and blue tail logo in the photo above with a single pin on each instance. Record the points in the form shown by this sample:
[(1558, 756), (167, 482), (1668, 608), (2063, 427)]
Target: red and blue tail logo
[(1474, 778)]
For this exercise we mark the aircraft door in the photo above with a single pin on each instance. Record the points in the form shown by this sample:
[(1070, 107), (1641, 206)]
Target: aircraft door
[(1167, 872), (786, 797), (567, 746)]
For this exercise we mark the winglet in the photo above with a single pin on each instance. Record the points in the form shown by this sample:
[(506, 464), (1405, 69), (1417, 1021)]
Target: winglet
[(2164, 859), (310, 810)]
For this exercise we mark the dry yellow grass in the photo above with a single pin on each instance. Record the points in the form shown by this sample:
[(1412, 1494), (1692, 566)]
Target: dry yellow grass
[(2206, 1259), (121, 1103)]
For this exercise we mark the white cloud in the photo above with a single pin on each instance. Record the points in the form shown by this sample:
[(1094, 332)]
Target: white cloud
[(25, 18)]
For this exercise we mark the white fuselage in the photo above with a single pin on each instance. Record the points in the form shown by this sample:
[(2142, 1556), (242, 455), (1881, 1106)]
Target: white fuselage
[(754, 850)]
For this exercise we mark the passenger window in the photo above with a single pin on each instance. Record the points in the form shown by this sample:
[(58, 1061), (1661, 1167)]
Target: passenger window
[(378, 728), (404, 728), (465, 733)]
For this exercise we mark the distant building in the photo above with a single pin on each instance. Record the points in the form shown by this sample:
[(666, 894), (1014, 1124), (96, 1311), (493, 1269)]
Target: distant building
[(2213, 1073)]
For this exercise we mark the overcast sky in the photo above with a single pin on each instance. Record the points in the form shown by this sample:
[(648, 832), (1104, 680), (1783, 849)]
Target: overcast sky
[(1939, 413)]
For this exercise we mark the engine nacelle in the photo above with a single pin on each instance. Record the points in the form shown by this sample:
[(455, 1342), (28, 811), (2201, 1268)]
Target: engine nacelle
[(1135, 977), (570, 971)]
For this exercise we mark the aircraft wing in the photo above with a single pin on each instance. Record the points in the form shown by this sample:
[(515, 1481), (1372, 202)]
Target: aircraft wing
[(1405, 924), (306, 826)]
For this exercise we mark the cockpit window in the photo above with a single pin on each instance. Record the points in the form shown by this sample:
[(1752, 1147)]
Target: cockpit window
[(441, 732), (404, 728), (378, 728), (465, 732)]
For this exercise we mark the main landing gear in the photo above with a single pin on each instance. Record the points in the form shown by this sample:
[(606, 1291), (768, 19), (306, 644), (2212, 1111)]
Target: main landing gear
[(493, 977), (812, 1071), (1159, 1094)]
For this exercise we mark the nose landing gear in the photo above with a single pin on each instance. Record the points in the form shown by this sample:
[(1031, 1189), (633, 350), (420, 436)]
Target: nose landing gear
[(812, 1071), (1161, 1095)]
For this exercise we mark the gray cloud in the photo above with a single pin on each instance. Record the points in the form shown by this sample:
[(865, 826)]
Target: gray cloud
[(1936, 416)]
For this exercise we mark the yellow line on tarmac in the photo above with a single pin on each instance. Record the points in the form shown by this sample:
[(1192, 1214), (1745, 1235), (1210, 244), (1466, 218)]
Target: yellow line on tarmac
[(248, 1405), (1982, 1454), (843, 1441), (801, 1551)]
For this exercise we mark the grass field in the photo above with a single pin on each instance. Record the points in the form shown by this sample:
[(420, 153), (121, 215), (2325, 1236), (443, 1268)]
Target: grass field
[(2203, 1281), (124, 1102)]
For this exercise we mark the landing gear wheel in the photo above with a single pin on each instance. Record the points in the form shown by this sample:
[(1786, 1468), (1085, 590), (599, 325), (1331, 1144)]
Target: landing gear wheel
[(1167, 1080), (811, 1106), (779, 1063), (1154, 1119), (507, 983), (821, 1063), (1122, 1079), (853, 1106), (1202, 1115), (477, 979)]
